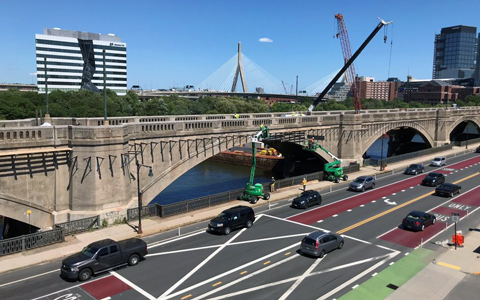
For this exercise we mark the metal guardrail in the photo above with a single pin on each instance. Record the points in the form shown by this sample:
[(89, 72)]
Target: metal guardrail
[(392, 159), (31, 241), (212, 200), (464, 143), (81, 225)]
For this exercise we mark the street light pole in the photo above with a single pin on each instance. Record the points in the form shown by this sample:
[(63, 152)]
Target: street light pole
[(466, 144), (105, 121), (139, 193)]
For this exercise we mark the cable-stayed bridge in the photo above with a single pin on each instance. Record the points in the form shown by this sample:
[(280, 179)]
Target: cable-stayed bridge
[(252, 77)]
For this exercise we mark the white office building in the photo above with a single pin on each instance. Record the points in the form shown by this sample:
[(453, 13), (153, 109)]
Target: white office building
[(74, 61)]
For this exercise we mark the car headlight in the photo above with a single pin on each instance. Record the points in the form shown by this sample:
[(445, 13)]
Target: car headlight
[(74, 269), (301, 202), (219, 224)]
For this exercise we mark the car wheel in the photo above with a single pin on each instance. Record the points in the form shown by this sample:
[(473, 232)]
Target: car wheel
[(423, 227), (322, 253), (363, 189), (337, 180), (341, 245), (345, 177), (85, 274), (254, 199), (434, 220), (249, 224), (266, 196), (415, 173), (133, 259), (319, 202), (226, 231), (373, 185)]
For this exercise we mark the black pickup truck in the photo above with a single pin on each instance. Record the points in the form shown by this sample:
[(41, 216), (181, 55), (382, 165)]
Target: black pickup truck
[(102, 256)]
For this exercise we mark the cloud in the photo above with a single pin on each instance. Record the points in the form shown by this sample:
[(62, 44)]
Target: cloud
[(265, 40)]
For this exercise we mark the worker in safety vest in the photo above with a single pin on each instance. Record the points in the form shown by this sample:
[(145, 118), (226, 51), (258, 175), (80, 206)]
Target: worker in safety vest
[(236, 116), (304, 183)]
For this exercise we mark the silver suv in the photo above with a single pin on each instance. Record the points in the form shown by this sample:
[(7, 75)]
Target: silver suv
[(318, 243), (362, 183)]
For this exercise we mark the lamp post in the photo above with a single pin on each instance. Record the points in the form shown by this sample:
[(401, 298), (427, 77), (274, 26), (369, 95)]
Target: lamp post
[(105, 121), (139, 192), (466, 144), (46, 85), (381, 154)]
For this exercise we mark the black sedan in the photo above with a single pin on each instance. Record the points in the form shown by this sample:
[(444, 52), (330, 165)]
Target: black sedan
[(433, 179), (477, 150), (307, 199), (418, 220), (447, 189), (414, 169)]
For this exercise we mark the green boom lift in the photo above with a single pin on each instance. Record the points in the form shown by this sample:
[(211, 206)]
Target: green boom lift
[(253, 191), (331, 171)]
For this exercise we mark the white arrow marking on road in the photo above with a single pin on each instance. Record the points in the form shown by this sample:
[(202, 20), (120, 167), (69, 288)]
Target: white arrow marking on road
[(390, 202)]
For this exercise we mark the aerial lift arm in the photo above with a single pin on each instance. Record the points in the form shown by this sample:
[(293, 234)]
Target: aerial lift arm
[(347, 64)]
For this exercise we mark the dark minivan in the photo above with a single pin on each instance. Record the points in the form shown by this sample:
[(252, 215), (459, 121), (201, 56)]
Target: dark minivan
[(232, 218), (103, 256)]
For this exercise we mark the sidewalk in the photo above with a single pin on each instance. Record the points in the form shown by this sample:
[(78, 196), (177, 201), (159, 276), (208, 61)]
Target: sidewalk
[(156, 225), (440, 277)]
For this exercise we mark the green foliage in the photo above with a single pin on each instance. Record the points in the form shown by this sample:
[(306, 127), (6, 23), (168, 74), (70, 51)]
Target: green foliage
[(104, 223)]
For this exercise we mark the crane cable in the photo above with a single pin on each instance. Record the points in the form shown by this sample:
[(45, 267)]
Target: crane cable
[(391, 49)]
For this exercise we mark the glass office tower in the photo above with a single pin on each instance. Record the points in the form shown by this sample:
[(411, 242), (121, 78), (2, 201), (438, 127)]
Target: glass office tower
[(454, 52)]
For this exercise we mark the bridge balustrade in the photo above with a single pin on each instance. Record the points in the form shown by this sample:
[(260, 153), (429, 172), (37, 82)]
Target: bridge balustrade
[(234, 123), (266, 122), (198, 125), (216, 117)]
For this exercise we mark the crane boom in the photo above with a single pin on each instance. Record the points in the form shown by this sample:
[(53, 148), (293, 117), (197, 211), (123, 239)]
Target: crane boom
[(347, 64)]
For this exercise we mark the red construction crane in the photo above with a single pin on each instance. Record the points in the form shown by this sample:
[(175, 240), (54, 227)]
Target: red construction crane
[(342, 34)]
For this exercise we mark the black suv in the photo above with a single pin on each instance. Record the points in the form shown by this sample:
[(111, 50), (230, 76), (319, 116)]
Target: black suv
[(232, 218), (306, 199), (433, 179)]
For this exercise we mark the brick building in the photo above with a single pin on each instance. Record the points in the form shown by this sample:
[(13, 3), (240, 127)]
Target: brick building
[(368, 88)]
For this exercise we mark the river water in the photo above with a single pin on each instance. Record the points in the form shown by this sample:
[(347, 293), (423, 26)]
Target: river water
[(212, 177)]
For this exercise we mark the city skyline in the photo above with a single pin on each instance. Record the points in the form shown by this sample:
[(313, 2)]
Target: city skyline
[(178, 44)]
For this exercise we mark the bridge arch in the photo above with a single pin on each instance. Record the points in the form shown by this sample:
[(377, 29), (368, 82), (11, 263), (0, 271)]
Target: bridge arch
[(453, 125), (16, 208), (390, 126)]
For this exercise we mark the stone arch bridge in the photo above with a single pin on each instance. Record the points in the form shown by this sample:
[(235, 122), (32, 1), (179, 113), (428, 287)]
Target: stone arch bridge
[(78, 167)]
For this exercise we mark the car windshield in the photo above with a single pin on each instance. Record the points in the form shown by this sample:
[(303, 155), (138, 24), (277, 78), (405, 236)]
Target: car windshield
[(224, 216), (437, 159), (434, 175), (359, 180), (89, 251), (412, 166), (305, 194)]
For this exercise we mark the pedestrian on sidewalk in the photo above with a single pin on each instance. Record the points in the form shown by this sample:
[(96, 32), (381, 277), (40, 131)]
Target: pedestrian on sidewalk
[(272, 185), (304, 183)]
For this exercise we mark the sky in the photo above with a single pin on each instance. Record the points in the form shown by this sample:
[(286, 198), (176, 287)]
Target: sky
[(178, 43)]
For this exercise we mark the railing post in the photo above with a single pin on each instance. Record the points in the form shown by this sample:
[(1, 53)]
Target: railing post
[(23, 243), (98, 221)]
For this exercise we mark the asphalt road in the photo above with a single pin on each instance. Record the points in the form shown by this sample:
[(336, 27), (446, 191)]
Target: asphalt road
[(263, 262)]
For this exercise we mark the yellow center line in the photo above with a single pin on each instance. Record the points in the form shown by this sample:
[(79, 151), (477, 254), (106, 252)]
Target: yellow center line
[(187, 296), (397, 207), (267, 262), (217, 283), (288, 253), (244, 272)]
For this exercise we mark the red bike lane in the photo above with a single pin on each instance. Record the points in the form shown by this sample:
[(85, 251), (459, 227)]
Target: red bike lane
[(340, 206)]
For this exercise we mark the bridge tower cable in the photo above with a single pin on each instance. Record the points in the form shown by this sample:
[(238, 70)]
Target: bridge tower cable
[(342, 34), (239, 71)]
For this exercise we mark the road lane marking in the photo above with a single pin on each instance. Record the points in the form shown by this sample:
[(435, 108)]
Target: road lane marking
[(319, 221), (245, 291), (266, 263), (348, 282), (391, 263), (398, 207), (374, 201), (244, 272), (194, 270), (362, 205), (374, 274), (334, 216), (27, 278), (354, 287), (236, 270), (69, 288), (349, 210), (133, 285), (300, 279), (407, 253), (187, 296), (454, 267), (218, 283), (288, 253)]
